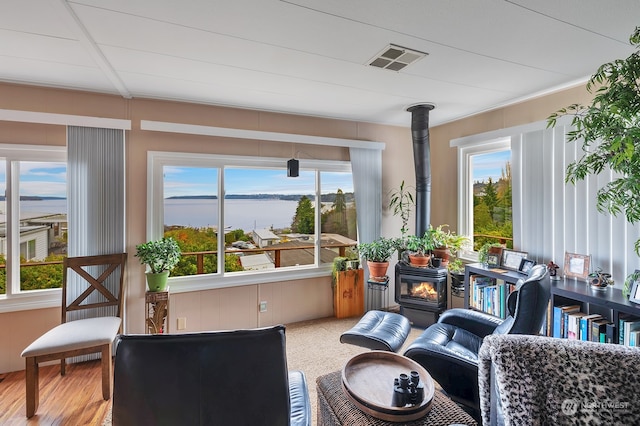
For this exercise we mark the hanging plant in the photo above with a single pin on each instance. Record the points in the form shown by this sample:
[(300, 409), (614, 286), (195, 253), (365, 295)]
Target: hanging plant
[(609, 130)]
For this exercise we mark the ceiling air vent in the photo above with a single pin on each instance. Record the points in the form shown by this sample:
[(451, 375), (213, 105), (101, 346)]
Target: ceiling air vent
[(395, 57)]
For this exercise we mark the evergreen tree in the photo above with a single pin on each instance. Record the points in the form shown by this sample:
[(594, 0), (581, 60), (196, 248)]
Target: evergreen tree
[(303, 221), (505, 194), (490, 197), (336, 220)]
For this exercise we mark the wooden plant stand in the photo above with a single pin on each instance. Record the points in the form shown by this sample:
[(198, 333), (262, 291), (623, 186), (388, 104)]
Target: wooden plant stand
[(348, 294)]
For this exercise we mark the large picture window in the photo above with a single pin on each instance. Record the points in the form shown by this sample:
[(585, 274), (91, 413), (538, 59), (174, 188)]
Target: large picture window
[(248, 210)]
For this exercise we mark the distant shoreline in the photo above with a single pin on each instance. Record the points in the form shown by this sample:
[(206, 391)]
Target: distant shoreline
[(285, 197)]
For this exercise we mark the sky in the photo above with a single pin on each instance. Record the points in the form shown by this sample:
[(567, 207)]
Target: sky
[(49, 179), (38, 179), (489, 165), (181, 181)]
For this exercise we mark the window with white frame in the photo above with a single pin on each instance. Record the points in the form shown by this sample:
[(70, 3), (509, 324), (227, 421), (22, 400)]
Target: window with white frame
[(271, 223), (485, 192), (33, 219)]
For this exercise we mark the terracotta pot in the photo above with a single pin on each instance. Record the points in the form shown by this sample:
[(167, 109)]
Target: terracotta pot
[(443, 253), (377, 269), (419, 259)]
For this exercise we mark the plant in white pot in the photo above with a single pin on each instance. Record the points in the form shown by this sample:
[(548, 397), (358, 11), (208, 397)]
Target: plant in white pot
[(161, 257)]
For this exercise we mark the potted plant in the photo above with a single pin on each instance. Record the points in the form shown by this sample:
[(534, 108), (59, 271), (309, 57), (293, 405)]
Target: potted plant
[(161, 257), (401, 202), (377, 254), (420, 248), (446, 243)]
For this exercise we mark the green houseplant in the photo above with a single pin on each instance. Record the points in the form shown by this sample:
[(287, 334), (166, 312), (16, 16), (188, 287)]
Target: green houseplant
[(420, 248), (161, 257), (609, 130), (401, 202), (377, 254), (447, 243)]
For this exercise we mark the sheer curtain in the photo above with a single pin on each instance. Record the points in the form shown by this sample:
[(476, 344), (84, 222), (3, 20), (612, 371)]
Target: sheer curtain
[(95, 198), (366, 168)]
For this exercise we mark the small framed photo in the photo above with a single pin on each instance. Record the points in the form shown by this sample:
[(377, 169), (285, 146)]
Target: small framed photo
[(576, 265), (493, 260), (526, 265), (511, 259), (634, 295)]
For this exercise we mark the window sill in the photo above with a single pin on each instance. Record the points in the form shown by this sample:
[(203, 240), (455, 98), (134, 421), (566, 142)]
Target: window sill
[(34, 299), (212, 282)]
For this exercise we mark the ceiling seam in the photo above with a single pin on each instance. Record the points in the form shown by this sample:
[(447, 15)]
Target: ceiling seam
[(91, 46)]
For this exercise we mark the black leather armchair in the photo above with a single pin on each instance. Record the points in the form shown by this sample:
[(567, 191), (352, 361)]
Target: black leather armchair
[(449, 348), (215, 378)]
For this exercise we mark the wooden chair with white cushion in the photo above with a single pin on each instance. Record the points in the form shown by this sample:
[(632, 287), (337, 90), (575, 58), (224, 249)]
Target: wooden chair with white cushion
[(81, 336)]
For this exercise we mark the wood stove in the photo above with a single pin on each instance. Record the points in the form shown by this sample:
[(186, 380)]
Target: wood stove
[(421, 293)]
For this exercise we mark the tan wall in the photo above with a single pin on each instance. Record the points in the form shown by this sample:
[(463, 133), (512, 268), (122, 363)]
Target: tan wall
[(444, 163), (288, 301)]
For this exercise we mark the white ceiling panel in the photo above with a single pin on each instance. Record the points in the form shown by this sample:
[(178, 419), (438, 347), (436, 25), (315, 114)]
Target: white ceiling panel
[(310, 56)]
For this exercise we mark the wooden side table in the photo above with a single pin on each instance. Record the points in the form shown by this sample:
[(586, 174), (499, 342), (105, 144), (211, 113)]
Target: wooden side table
[(157, 311)]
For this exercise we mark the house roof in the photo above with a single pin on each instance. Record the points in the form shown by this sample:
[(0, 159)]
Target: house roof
[(312, 57)]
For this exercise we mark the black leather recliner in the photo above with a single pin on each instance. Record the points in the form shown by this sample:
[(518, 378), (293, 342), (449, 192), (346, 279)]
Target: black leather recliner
[(235, 377), (449, 348)]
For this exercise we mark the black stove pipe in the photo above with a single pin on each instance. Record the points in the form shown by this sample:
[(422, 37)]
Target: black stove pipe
[(422, 162)]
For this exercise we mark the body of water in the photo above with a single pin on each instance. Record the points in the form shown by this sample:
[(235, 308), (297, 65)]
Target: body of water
[(239, 214)]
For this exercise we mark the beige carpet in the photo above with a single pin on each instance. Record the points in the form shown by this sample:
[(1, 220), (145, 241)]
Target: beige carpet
[(314, 347)]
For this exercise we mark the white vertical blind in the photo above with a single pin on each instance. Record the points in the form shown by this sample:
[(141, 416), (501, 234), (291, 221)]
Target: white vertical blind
[(95, 197), (552, 217), (96, 189), (366, 168)]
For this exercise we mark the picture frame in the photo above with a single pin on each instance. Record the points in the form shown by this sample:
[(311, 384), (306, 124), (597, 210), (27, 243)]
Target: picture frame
[(511, 259), (493, 260), (526, 265), (576, 265), (634, 295)]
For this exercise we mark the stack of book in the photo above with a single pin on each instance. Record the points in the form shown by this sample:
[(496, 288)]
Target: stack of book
[(629, 330), (570, 322), (488, 295)]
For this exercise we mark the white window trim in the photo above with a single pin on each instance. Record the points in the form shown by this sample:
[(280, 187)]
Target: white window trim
[(156, 160), (14, 299), (465, 185)]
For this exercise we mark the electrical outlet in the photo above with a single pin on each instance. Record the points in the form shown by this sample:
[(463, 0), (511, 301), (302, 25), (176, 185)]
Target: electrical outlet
[(182, 323), (263, 306)]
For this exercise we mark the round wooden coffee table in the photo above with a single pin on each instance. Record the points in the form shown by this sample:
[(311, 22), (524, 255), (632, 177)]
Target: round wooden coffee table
[(368, 381)]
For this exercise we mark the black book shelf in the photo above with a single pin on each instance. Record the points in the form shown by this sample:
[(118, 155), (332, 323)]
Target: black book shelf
[(610, 302), (475, 269)]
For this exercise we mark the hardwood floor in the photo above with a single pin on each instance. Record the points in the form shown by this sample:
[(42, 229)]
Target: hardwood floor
[(75, 399)]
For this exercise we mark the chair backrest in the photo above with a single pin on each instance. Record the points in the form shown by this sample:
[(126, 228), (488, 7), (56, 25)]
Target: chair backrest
[(538, 380), (527, 304), (227, 377), (103, 276)]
